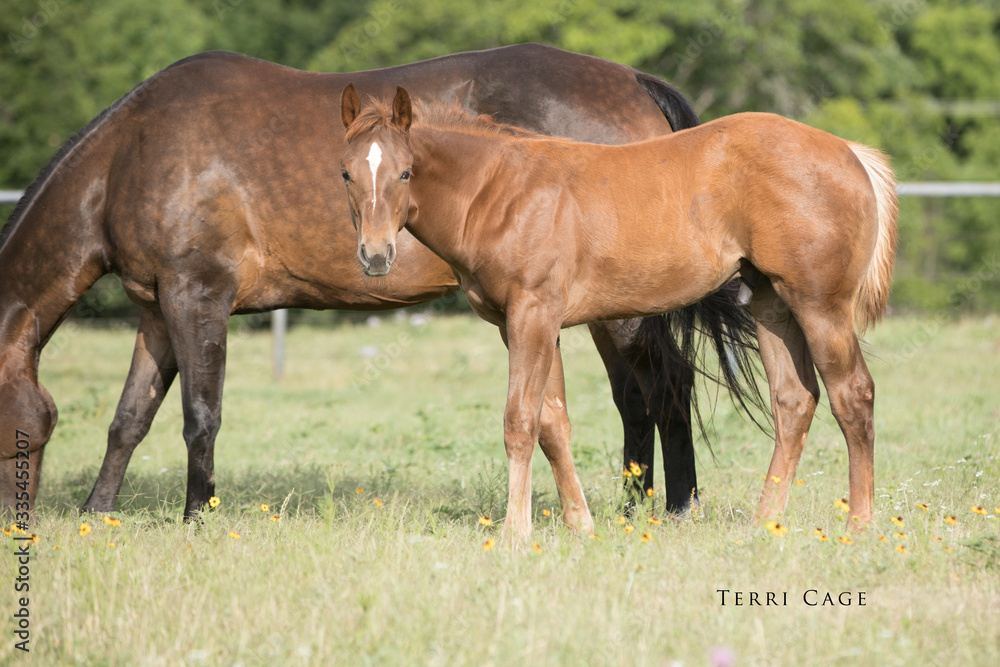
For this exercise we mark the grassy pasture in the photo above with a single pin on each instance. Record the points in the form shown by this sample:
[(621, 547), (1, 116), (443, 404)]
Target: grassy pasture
[(409, 416)]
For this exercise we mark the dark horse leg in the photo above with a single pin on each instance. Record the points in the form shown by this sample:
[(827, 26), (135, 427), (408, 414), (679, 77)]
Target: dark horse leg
[(196, 317), (153, 370), (648, 396)]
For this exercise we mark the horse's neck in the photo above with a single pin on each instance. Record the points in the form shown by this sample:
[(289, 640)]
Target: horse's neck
[(451, 168), (54, 253)]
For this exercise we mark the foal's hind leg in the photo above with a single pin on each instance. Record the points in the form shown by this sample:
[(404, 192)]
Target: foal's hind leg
[(153, 369), (793, 389), (197, 316), (554, 438), (837, 355)]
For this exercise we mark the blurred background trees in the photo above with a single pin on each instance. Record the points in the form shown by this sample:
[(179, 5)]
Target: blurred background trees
[(918, 78)]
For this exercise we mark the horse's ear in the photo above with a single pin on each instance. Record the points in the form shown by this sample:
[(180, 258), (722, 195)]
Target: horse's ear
[(402, 110), (349, 105)]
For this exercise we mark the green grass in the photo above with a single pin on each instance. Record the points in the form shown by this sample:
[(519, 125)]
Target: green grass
[(340, 580)]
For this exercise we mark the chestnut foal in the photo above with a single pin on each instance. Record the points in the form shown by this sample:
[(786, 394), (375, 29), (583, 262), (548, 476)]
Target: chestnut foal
[(547, 233)]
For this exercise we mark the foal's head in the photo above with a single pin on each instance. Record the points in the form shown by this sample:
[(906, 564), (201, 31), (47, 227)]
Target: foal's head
[(376, 169)]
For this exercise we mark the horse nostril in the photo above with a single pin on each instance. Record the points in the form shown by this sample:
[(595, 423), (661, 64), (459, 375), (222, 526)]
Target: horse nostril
[(391, 255), (364, 255)]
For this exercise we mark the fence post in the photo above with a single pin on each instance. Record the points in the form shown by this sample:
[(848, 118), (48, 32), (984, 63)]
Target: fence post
[(279, 324)]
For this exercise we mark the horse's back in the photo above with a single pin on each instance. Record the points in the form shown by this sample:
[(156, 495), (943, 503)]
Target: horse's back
[(790, 195)]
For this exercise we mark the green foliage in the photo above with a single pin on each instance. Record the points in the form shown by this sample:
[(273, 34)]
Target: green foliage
[(958, 51), (916, 77), (65, 61)]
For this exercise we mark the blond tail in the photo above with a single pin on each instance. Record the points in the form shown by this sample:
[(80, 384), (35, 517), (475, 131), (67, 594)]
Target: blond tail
[(874, 293)]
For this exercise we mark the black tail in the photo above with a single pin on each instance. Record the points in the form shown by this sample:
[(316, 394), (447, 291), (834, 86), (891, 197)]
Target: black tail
[(733, 336), (671, 101)]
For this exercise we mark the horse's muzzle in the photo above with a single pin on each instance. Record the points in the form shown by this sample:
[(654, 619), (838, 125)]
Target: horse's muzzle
[(377, 264)]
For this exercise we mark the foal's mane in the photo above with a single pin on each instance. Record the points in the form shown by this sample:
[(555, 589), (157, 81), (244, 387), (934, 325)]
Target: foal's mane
[(378, 116)]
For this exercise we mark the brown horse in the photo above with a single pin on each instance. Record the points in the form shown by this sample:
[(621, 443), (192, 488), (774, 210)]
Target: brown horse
[(547, 233), (207, 190)]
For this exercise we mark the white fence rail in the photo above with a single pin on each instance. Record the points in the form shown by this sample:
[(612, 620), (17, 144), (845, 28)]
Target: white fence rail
[(948, 189), (279, 321)]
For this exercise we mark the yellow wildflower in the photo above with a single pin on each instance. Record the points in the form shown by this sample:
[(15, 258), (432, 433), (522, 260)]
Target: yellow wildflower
[(546, 513), (111, 521), (629, 528), (264, 507), (842, 505), (489, 544), (950, 520), (923, 506), (900, 536), (646, 537), (775, 479), (650, 492), (634, 468), (214, 502), (594, 537), (978, 510), (901, 549), (485, 520), (112, 545), (536, 547), (359, 490), (776, 528), (898, 520), (883, 538), (233, 534), (800, 482), (85, 529), (653, 520), (844, 539), (622, 520), (378, 503), (275, 518)]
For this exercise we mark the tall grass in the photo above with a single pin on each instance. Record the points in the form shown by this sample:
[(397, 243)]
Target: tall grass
[(410, 416)]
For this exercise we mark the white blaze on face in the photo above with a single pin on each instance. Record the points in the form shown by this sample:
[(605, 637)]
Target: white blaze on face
[(374, 160)]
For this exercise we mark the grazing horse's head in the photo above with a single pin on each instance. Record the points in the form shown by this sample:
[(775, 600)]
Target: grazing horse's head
[(376, 170)]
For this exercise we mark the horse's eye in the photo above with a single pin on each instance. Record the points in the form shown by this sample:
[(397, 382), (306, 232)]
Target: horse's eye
[(405, 176), (347, 177)]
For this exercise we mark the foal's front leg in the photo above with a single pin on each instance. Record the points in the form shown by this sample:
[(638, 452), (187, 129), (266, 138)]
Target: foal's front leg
[(531, 334), (554, 438)]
